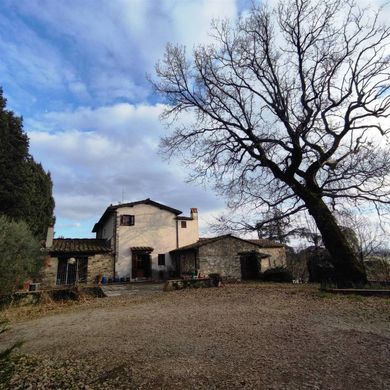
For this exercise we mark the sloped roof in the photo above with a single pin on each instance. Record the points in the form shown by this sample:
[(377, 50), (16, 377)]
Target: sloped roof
[(79, 245), (206, 241), (264, 243), (148, 201)]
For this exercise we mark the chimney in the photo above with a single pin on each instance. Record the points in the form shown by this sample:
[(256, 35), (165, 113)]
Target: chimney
[(49, 237), (194, 213)]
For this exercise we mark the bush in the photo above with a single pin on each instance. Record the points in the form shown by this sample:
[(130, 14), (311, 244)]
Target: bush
[(277, 274), (320, 266), (19, 255)]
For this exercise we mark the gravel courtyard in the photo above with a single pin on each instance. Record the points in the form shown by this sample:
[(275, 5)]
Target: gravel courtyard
[(237, 336)]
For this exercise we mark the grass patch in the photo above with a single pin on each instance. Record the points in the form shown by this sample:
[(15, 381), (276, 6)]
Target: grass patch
[(354, 298)]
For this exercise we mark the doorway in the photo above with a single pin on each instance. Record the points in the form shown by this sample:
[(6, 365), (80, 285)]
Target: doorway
[(71, 270), (141, 265), (250, 268)]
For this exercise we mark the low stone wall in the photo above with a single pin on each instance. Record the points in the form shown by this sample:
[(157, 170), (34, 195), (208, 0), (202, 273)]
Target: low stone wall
[(180, 284), (356, 291), (61, 293)]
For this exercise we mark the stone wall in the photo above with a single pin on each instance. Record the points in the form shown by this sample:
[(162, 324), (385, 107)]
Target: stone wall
[(222, 257), (100, 263), (49, 272), (187, 262), (277, 259)]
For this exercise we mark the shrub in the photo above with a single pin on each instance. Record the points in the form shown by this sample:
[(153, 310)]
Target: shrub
[(19, 255), (320, 266), (277, 274)]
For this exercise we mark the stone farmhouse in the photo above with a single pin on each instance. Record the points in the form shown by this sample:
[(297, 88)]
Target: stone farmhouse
[(147, 240)]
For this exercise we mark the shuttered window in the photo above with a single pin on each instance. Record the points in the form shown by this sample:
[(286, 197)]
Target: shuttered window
[(127, 220)]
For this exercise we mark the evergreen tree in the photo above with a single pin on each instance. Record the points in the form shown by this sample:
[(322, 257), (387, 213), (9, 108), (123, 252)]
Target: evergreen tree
[(19, 255), (25, 188), (40, 200), (273, 226)]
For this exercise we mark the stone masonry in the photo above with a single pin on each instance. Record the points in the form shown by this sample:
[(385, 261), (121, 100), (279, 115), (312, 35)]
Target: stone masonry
[(223, 257), (103, 264)]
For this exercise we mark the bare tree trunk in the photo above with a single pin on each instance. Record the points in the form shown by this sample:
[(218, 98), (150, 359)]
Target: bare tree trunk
[(349, 270)]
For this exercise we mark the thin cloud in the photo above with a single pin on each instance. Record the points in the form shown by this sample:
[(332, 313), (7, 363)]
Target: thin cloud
[(97, 156)]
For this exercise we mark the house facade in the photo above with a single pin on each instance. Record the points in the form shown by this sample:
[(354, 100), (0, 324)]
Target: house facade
[(141, 235), (147, 240)]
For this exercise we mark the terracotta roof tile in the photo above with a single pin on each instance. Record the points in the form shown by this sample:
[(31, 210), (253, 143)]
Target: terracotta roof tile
[(79, 245)]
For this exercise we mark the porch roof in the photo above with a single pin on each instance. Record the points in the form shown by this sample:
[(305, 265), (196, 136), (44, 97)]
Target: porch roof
[(79, 245), (142, 249)]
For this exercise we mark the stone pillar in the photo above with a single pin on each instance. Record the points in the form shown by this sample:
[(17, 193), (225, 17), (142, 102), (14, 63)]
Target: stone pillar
[(49, 237)]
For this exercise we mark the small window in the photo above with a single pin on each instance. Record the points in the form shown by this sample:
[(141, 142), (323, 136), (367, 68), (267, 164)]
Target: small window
[(183, 224), (161, 259), (127, 220)]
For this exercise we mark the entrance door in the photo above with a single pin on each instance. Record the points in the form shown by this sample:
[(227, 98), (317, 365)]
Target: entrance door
[(141, 265), (72, 269), (249, 266)]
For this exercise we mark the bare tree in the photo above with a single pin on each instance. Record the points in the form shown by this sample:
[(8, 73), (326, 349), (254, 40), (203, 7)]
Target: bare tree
[(287, 109), (370, 238)]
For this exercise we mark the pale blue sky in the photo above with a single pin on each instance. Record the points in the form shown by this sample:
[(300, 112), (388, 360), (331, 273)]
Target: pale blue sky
[(75, 70)]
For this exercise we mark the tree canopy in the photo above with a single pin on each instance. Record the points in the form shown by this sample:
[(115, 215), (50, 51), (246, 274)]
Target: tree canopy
[(25, 187), (20, 255), (287, 108)]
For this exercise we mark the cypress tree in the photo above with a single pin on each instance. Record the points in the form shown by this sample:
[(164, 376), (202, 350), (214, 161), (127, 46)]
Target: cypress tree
[(25, 187)]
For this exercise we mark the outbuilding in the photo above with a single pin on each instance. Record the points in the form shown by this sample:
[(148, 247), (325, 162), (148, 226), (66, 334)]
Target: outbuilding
[(229, 256), (72, 260)]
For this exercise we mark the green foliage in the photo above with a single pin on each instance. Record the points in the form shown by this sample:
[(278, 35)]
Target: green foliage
[(320, 267), (19, 255), (25, 188), (277, 274), (40, 203), (6, 366)]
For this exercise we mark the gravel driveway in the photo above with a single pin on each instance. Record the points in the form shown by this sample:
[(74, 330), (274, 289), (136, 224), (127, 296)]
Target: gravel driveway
[(236, 336)]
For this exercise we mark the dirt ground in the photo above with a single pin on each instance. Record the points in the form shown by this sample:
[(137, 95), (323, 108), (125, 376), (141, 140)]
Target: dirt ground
[(237, 336)]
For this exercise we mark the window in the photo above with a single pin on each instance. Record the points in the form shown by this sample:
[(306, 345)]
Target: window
[(127, 220), (161, 259), (183, 224)]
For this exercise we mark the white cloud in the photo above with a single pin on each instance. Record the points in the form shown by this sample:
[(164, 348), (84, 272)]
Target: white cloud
[(96, 154), (100, 51), (78, 60)]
